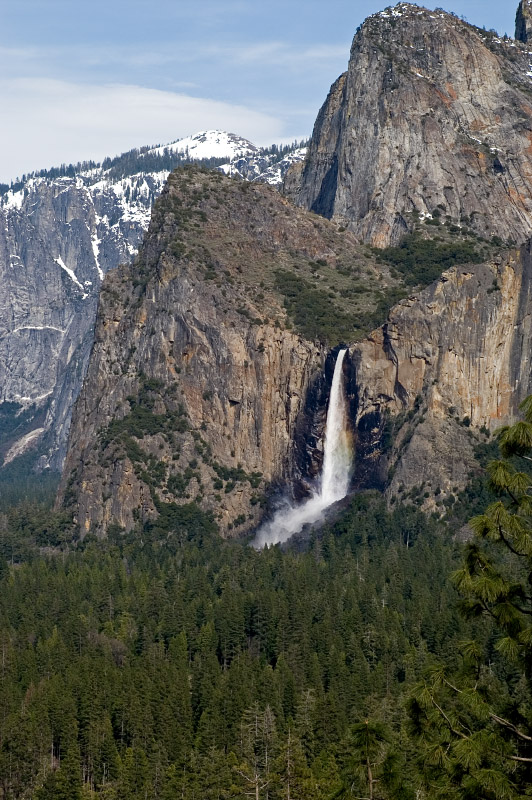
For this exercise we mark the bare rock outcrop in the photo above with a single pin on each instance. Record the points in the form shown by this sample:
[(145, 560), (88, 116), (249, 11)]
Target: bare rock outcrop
[(197, 381), (432, 115), (523, 21), (449, 365), (58, 237)]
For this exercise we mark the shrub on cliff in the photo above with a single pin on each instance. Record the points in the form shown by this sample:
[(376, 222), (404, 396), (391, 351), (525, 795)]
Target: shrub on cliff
[(420, 261)]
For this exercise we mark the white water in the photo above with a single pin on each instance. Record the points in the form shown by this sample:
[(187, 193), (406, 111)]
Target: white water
[(334, 481)]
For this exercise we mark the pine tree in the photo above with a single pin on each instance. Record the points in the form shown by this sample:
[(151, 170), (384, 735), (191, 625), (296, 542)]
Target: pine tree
[(372, 769), (295, 778), (134, 781), (475, 726)]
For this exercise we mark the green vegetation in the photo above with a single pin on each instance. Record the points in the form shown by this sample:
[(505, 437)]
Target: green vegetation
[(420, 261), (237, 474), (473, 722), (319, 313), (20, 484), (177, 484), (314, 314), (169, 663), (18, 481), (141, 421)]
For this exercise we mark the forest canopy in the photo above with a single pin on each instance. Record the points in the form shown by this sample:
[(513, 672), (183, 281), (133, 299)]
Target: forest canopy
[(164, 664)]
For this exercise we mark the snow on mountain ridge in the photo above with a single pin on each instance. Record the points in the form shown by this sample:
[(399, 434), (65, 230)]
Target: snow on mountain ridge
[(81, 224), (209, 144), (244, 160)]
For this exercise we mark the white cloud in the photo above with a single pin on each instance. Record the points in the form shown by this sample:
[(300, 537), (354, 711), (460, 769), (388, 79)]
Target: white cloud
[(47, 122), (267, 54), (284, 55)]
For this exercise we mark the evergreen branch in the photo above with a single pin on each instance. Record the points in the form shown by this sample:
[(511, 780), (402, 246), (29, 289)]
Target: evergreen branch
[(513, 497), (487, 609), (508, 545), (448, 721), (512, 727), (523, 610)]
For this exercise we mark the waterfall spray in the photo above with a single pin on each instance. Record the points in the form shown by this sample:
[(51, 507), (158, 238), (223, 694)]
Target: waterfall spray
[(334, 481)]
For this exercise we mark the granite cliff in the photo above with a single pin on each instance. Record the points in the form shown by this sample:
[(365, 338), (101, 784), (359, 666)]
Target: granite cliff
[(209, 376), (60, 232), (198, 385), (206, 392), (432, 115), (57, 238), (523, 21), (450, 365)]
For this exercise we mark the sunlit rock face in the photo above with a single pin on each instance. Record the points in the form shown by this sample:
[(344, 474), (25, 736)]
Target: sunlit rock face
[(59, 235), (523, 21), (431, 115), (197, 384), (450, 362)]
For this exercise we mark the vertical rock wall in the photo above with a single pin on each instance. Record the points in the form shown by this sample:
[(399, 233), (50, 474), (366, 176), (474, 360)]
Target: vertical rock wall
[(448, 362), (433, 115)]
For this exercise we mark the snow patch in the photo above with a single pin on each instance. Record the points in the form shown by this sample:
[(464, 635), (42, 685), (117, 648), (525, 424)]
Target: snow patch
[(95, 242), (70, 274), (274, 175), (38, 328), (210, 144), (14, 200)]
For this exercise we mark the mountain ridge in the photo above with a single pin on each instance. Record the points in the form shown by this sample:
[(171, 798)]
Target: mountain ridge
[(60, 234), (404, 378)]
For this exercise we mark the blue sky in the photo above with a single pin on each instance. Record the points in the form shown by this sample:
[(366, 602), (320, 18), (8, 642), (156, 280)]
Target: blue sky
[(82, 80)]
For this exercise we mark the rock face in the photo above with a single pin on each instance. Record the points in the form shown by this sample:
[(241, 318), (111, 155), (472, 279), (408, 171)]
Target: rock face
[(523, 21), (197, 383), (448, 362), (58, 237), (432, 114), (201, 395), (198, 391)]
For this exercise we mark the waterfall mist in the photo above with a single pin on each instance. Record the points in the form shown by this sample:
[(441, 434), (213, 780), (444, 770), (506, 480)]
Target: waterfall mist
[(334, 480)]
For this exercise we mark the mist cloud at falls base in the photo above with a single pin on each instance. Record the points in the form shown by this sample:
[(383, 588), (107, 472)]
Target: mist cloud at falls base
[(334, 481)]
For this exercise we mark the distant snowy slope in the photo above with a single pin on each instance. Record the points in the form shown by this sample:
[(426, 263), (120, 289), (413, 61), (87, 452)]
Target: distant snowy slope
[(274, 174), (61, 230), (210, 144)]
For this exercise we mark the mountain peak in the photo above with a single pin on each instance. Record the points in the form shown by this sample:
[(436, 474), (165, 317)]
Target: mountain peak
[(523, 21), (432, 117), (210, 144), (409, 10)]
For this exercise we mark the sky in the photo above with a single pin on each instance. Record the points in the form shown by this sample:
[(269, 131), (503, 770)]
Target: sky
[(85, 80)]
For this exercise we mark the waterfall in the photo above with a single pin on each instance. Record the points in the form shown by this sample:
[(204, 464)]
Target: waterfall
[(334, 481), (336, 452)]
